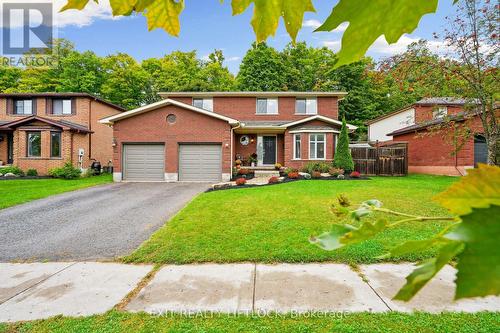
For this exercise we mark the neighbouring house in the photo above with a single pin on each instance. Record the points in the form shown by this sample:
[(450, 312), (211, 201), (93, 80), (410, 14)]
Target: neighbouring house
[(45, 130), (437, 141), (191, 136)]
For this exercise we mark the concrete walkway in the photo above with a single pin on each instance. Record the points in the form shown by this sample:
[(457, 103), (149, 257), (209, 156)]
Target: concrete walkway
[(42, 290)]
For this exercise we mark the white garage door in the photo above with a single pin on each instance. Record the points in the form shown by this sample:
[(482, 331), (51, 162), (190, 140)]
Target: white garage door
[(200, 162), (144, 162)]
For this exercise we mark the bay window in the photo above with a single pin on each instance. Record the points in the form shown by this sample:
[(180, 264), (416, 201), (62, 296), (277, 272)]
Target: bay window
[(297, 144), (34, 144), (317, 143)]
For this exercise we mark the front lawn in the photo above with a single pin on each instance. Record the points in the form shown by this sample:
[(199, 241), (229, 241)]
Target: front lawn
[(14, 192), (115, 321), (273, 223)]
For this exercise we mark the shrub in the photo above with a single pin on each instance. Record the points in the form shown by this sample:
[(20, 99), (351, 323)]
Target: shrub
[(335, 171), (316, 174), (288, 170), (241, 181), (243, 171), (293, 175), (32, 173), (343, 158), (355, 174), (68, 171), (12, 169), (277, 166), (273, 180), (316, 166)]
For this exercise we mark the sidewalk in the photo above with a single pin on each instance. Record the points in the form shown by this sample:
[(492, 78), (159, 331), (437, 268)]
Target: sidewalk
[(42, 290)]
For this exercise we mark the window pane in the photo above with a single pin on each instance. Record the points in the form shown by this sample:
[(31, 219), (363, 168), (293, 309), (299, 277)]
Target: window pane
[(261, 106), (55, 145), (320, 150), (19, 109), (34, 144), (300, 106), (208, 104), (28, 107), (57, 107), (66, 106), (198, 102), (272, 106), (312, 106), (320, 137), (297, 146), (312, 149)]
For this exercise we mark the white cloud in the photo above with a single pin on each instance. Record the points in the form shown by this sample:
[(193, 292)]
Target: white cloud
[(334, 45), (341, 27), (380, 46), (79, 18), (311, 24), (233, 59)]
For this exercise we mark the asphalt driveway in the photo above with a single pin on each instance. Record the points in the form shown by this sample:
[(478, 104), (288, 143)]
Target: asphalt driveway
[(102, 222)]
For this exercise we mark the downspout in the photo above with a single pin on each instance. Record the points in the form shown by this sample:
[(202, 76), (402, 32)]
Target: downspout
[(232, 144), (90, 129)]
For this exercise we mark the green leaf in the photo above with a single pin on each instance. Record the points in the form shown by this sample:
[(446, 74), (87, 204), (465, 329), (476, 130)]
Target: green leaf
[(478, 265), (364, 232), (165, 14), (479, 189), (426, 270), (370, 19), (373, 203), (122, 7), (76, 4), (267, 14), (410, 247), (331, 240)]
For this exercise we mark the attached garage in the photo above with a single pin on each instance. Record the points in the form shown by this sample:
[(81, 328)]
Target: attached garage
[(144, 162), (200, 162)]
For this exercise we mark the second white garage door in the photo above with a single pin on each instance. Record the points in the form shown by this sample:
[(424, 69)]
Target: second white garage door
[(198, 162)]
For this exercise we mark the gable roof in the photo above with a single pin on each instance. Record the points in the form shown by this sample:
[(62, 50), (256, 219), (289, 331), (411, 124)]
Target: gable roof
[(165, 102), (462, 116), (319, 117), (62, 124), (61, 95)]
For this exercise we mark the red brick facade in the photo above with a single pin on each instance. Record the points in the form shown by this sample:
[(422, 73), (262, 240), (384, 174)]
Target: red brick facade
[(83, 132)]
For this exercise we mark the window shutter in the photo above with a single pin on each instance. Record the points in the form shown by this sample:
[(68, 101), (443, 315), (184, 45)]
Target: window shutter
[(48, 105), (9, 105), (34, 100), (73, 106)]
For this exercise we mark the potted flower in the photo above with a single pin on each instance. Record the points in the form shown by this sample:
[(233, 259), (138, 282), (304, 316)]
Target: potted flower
[(277, 166)]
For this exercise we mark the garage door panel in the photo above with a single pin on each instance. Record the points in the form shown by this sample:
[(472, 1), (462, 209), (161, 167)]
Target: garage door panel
[(144, 162), (200, 162)]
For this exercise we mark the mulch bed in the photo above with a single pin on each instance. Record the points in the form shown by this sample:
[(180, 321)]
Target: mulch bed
[(286, 180), (26, 177)]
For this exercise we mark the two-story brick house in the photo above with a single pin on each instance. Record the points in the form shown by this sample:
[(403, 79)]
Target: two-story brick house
[(45, 130), (198, 136)]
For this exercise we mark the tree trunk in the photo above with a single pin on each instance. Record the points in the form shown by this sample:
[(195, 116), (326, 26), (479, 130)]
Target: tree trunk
[(493, 149)]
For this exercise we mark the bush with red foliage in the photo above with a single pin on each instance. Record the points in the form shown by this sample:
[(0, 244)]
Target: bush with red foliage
[(316, 174), (243, 171), (273, 180), (355, 174), (293, 175), (241, 181)]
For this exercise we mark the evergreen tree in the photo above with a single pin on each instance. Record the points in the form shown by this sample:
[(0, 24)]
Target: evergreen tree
[(343, 158)]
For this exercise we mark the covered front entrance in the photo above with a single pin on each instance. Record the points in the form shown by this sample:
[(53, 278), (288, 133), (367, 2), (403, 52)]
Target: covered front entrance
[(266, 150)]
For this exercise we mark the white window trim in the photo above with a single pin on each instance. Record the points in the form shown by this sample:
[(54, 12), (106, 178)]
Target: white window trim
[(24, 107), (309, 146), (307, 111), (203, 106), (267, 113), (295, 158)]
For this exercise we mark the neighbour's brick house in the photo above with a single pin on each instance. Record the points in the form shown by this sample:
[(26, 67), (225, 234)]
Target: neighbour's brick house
[(45, 130), (198, 136), (430, 138)]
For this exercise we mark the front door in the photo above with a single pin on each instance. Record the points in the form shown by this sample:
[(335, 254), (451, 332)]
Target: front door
[(10, 149), (480, 150), (269, 154)]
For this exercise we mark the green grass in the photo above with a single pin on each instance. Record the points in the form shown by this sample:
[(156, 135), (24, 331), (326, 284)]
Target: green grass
[(15, 192), (115, 321), (273, 223)]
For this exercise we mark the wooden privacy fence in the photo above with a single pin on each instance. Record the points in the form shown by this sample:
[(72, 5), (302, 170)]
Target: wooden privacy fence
[(383, 161)]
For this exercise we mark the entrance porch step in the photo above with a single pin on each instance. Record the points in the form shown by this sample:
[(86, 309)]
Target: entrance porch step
[(266, 173)]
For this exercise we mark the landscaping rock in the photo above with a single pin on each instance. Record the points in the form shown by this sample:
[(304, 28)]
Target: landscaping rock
[(220, 186), (303, 174), (10, 174), (1, 174), (325, 174)]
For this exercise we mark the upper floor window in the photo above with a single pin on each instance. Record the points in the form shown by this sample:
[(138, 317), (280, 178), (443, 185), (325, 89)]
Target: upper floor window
[(440, 112), (34, 144), (61, 107), (204, 103), (267, 106), (23, 106), (306, 106)]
